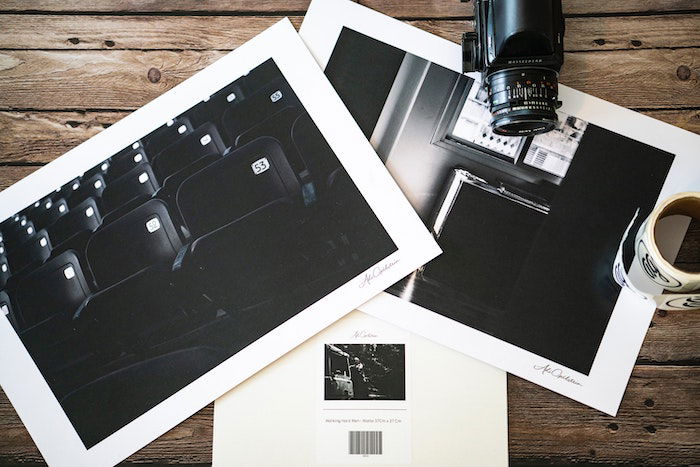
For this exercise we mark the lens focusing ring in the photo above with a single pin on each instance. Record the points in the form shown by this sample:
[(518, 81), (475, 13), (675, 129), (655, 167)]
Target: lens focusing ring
[(523, 101)]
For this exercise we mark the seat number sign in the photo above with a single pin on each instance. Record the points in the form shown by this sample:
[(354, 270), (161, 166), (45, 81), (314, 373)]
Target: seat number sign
[(260, 166)]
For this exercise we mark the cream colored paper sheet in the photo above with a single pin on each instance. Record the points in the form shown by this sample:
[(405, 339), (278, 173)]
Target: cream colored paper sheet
[(454, 410)]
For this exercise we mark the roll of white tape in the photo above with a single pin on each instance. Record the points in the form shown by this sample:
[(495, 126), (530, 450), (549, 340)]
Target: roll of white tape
[(681, 289)]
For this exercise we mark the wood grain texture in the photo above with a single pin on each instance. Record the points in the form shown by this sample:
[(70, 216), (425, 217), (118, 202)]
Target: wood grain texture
[(657, 422), (398, 8), (638, 53), (151, 6), (188, 443), (119, 79), (455, 8), (605, 33), (132, 32), (11, 174), (654, 78), (672, 338), (656, 425), (228, 32), (686, 119), (38, 137), (94, 79)]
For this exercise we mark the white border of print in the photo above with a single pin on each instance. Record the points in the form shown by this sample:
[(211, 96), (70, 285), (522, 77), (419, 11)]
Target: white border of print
[(604, 387), (20, 378)]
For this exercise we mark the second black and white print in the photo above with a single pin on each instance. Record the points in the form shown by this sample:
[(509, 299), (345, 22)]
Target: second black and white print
[(526, 225), (529, 228)]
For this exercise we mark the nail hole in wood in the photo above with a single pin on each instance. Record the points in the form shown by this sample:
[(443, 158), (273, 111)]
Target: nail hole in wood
[(613, 427), (592, 452), (600, 41), (109, 43), (662, 313), (73, 123), (683, 73), (636, 43), (650, 428), (649, 402), (154, 75), (73, 40)]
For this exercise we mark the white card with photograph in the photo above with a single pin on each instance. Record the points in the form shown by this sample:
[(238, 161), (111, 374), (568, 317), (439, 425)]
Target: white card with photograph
[(165, 260), (365, 392), (529, 227), (363, 413)]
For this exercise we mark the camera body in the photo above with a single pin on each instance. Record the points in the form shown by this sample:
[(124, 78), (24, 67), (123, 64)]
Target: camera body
[(518, 46)]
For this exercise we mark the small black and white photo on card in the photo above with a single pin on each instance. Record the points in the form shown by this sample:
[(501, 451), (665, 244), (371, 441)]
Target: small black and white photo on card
[(365, 372)]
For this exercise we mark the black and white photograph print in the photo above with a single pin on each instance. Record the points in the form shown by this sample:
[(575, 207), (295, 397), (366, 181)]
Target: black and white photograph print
[(165, 259), (529, 227), (550, 152), (365, 372)]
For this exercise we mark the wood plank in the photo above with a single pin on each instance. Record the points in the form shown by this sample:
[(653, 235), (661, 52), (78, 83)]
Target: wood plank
[(11, 174), (112, 80), (131, 32), (686, 119), (594, 7), (177, 6), (125, 79), (398, 8), (606, 33), (41, 136), (654, 78), (657, 424), (635, 32), (449, 8), (188, 443), (672, 337), (228, 32)]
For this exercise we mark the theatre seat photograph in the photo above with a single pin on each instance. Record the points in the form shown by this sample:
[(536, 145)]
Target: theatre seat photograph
[(151, 268)]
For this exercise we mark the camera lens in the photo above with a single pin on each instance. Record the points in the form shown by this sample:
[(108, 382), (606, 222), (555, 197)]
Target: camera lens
[(523, 101)]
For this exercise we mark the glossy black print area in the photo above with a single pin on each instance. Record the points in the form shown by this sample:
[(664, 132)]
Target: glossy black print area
[(153, 267), (528, 252)]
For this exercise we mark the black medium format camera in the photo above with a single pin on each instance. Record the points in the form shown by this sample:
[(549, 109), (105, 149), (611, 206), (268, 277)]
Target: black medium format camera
[(518, 46)]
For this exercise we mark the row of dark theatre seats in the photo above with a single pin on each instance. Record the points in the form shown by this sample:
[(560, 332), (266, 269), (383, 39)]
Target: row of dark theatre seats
[(198, 215)]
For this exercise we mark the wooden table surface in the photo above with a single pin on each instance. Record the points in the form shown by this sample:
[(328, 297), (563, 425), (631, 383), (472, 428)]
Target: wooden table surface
[(70, 68)]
